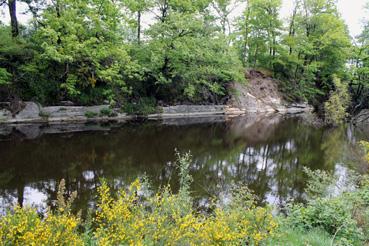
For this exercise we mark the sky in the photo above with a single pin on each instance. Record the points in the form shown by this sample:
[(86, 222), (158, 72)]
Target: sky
[(352, 11)]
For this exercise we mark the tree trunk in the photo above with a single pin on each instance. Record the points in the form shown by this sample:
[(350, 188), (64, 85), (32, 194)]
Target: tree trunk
[(291, 32), (13, 17), (139, 27), (256, 55)]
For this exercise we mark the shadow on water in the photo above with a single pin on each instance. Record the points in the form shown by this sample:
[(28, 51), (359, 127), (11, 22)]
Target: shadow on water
[(267, 153)]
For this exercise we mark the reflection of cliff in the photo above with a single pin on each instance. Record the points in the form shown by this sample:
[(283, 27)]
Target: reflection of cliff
[(255, 127)]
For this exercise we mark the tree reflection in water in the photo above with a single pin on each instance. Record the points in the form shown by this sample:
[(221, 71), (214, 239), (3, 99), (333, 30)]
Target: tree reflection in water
[(267, 153)]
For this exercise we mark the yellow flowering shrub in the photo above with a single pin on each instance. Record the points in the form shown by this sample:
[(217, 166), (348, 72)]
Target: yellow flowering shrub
[(137, 216), (163, 219), (25, 227)]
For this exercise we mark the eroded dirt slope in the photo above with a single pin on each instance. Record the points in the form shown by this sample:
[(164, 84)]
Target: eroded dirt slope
[(259, 94)]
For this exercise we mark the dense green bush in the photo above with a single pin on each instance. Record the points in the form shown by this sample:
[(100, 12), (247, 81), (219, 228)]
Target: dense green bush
[(107, 112), (344, 216), (336, 106), (144, 106)]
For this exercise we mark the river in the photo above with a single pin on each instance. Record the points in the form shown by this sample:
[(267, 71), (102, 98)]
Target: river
[(265, 153)]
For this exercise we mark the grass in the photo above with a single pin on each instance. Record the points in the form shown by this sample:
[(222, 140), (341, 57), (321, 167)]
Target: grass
[(296, 237)]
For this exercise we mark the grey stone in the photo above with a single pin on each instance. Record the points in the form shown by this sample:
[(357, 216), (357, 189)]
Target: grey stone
[(30, 112), (71, 112)]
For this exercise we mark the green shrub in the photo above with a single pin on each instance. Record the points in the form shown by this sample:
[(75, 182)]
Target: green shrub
[(297, 237), (4, 76), (365, 146), (144, 106), (343, 216), (107, 112), (90, 114), (337, 104)]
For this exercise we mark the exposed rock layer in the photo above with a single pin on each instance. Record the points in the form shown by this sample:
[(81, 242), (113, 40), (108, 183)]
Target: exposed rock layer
[(261, 94)]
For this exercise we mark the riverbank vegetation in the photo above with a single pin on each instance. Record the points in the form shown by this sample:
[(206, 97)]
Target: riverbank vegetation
[(336, 213), (166, 52)]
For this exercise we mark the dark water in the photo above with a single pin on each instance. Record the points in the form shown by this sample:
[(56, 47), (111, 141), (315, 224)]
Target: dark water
[(266, 153)]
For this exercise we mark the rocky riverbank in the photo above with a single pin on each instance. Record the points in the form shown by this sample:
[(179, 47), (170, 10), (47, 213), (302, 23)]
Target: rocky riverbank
[(34, 113)]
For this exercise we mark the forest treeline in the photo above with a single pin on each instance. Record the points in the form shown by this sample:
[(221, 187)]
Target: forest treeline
[(175, 51)]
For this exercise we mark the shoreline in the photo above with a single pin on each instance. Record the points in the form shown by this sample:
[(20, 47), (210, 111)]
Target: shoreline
[(35, 113)]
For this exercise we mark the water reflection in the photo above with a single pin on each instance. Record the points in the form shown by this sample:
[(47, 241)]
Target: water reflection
[(267, 153)]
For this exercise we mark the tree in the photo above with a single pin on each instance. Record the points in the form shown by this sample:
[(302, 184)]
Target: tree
[(359, 70), (317, 47), (257, 33), (4, 76), (138, 7), (12, 5), (81, 49), (33, 6), (336, 106), (224, 9), (189, 59)]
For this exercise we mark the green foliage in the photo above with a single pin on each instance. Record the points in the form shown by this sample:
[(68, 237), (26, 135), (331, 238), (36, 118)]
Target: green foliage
[(336, 106), (91, 51), (319, 184), (107, 112), (297, 237), (14, 54), (4, 77), (365, 146), (344, 216), (90, 114), (258, 30), (80, 43), (144, 106), (359, 69), (315, 48), (188, 59)]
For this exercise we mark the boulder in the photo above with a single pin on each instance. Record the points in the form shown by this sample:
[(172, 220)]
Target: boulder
[(31, 112)]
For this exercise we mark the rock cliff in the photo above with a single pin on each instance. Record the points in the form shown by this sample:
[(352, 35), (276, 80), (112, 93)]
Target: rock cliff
[(261, 94)]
